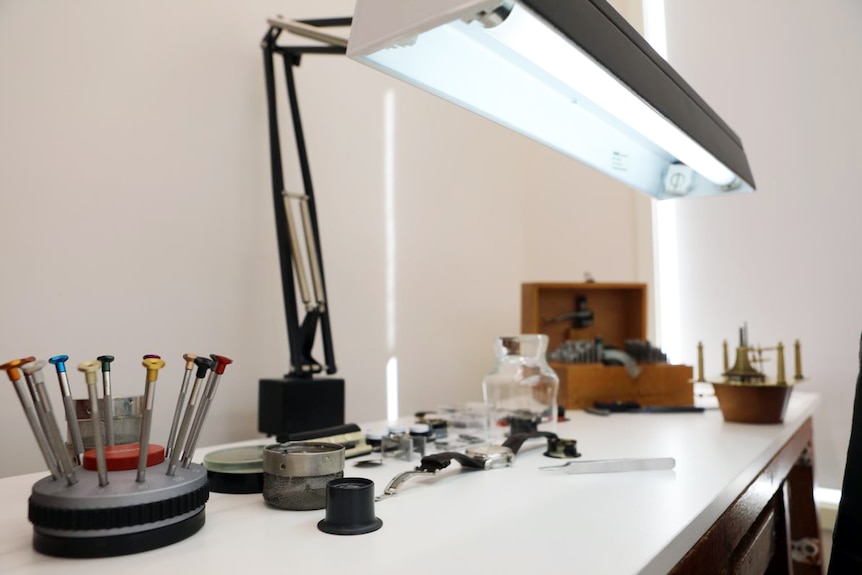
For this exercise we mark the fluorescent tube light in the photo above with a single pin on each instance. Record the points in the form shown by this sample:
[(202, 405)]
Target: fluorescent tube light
[(572, 75)]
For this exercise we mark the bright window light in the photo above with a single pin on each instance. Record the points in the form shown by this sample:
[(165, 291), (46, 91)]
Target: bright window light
[(389, 217)]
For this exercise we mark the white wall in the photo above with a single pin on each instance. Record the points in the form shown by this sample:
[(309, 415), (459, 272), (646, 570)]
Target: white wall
[(785, 76), (134, 185)]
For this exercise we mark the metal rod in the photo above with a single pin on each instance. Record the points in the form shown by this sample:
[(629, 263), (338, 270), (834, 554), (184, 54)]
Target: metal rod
[(42, 403), (89, 369), (285, 264), (306, 31), (14, 373), (107, 398), (204, 364), (59, 362), (326, 331), (181, 398), (313, 256), (301, 278), (153, 366), (221, 362)]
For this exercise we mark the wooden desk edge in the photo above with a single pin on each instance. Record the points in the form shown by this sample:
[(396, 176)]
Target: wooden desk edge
[(754, 534)]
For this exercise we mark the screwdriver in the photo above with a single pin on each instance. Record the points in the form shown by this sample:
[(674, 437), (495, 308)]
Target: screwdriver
[(42, 404), (153, 366), (59, 362), (221, 362), (204, 364), (172, 436), (89, 369), (14, 374), (107, 400)]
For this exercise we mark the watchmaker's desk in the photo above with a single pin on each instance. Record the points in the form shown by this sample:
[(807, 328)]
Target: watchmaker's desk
[(726, 503)]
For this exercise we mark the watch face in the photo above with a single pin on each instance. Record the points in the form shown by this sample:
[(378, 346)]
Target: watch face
[(492, 455)]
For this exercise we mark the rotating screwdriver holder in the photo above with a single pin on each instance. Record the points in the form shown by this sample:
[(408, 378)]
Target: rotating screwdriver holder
[(130, 500)]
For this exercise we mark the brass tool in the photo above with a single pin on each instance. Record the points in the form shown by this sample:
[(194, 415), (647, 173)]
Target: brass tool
[(797, 356), (153, 366)]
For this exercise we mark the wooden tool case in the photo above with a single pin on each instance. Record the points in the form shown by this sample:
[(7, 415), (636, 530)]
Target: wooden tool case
[(620, 313)]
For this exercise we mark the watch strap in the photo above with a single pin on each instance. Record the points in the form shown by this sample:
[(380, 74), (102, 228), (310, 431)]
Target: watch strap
[(516, 440), (438, 461)]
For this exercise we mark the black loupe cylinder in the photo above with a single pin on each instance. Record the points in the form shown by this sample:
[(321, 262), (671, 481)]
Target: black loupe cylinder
[(350, 507)]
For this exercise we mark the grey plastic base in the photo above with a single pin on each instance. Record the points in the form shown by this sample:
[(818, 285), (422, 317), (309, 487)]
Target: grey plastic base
[(80, 520)]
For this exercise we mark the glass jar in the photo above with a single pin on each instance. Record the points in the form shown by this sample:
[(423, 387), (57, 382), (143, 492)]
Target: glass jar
[(521, 391)]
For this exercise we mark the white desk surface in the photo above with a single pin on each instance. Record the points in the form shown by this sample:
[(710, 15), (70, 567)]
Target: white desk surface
[(512, 520)]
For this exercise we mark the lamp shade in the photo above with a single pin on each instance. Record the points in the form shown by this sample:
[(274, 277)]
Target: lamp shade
[(571, 74)]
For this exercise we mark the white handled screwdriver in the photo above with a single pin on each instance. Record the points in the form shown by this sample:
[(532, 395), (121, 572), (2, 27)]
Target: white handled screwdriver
[(221, 362), (107, 399), (14, 374), (153, 365), (89, 368), (204, 364), (59, 362), (184, 387), (42, 403)]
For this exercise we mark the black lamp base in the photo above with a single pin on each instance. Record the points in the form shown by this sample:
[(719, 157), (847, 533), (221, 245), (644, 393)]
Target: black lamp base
[(290, 405)]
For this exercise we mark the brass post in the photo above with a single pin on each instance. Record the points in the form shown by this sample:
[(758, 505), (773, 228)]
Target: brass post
[(700, 362), (798, 360), (726, 363), (780, 377)]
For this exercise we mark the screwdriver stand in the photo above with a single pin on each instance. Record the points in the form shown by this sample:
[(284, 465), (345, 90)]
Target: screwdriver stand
[(121, 518)]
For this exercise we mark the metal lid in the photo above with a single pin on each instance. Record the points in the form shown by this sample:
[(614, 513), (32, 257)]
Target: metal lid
[(246, 459), (303, 459)]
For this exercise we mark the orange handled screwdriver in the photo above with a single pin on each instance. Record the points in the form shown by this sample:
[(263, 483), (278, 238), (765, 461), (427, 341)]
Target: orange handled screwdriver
[(42, 404), (14, 373)]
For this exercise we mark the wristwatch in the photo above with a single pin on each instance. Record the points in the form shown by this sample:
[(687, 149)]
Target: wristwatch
[(483, 457)]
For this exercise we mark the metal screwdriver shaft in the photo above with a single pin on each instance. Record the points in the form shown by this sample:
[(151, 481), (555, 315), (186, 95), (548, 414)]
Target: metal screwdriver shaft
[(181, 398), (89, 368), (59, 362), (107, 400), (221, 363), (42, 403), (204, 364), (14, 373), (153, 366)]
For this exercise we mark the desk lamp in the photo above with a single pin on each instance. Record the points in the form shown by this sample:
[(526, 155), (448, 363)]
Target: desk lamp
[(570, 74)]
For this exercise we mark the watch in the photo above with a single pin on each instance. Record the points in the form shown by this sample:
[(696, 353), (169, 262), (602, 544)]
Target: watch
[(475, 458)]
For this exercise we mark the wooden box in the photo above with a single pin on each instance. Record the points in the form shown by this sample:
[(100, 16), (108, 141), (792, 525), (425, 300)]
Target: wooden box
[(620, 313)]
